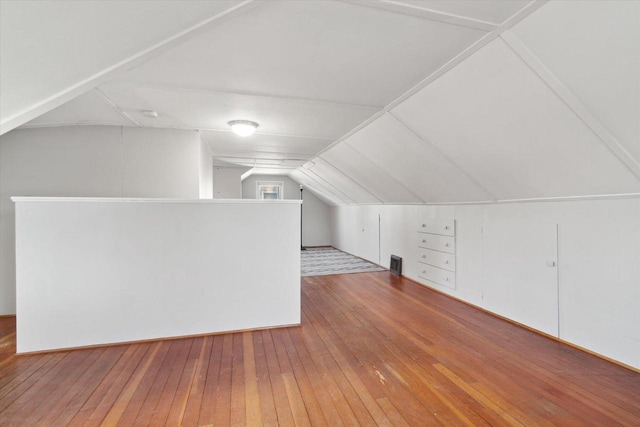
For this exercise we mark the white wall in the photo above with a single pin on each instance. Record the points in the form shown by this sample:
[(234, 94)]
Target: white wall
[(598, 260), (227, 182), (206, 171), (99, 161), (316, 215), (99, 271)]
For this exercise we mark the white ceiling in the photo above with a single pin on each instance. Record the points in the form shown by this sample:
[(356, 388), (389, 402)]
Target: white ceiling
[(493, 11), (327, 51), (498, 119), (307, 71), (598, 59), (54, 50), (410, 101)]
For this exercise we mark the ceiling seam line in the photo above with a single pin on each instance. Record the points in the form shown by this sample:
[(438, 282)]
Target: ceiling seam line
[(351, 179), (261, 133), (91, 82), (238, 155), (568, 98), (444, 69), (184, 128), (319, 191), (454, 164), (62, 125), (468, 52), (160, 86), (345, 199), (425, 14), (384, 171), (116, 107), (206, 143)]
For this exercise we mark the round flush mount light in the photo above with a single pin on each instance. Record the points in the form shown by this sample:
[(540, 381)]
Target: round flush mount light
[(243, 127)]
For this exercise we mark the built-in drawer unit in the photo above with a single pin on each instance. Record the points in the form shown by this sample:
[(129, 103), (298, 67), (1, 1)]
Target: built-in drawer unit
[(437, 259), (436, 252), (437, 275), (438, 226), (437, 242)]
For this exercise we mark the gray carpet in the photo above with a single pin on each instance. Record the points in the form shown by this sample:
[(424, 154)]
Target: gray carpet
[(325, 261)]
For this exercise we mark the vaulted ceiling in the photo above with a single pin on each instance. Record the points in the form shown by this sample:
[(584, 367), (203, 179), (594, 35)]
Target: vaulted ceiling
[(410, 101)]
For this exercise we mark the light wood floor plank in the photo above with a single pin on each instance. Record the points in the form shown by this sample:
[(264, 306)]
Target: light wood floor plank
[(210, 394), (373, 349), (268, 413), (280, 398), (222, 412)]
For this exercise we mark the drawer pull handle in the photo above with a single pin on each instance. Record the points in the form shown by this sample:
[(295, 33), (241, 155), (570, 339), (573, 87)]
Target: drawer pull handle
[(446, 227), (424, 225), (446, 279), (446, 262), (424, 256), (424, 241), (424, 272), (446, 244)]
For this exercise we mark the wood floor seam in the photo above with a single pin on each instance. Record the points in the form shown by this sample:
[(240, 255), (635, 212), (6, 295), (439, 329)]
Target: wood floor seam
[(372, 349)]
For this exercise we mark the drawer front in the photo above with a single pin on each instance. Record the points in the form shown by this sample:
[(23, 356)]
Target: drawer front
[(437, 259), (437, 243), (437, 226), (437, 275)]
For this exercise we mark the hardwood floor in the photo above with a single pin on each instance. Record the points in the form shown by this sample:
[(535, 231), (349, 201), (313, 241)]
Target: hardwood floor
[(373, 349)]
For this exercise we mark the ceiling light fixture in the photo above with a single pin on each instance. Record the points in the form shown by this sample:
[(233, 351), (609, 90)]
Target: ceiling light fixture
[(243, 127)]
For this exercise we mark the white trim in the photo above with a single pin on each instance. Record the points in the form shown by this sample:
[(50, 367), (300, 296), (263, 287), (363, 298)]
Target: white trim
[(424, 13), (331, 201), (572, 101), (384, 171), (451, 162), (116, 107), (26, 199), (324, 138), (100, 77), (206, 143), (80, 124), (479, 44), (326, 184), (319, 188), (185, 128), (178, 88), (351, 179), (621, 196), (238, 154)]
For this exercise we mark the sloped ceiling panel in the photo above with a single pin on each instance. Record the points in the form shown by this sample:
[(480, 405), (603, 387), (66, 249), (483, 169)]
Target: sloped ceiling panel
[(213, 110), (340, 182), (292, 151), (317, 190), (230, 142), (267, 171), (414, 163), (321, 50), (96, 110), (50, 46), (370, 176), (494, 11), (593, 48), (495, 119), (324, 186)]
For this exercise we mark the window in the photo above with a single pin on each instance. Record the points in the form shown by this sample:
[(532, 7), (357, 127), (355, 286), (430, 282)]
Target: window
[(269, 190)]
